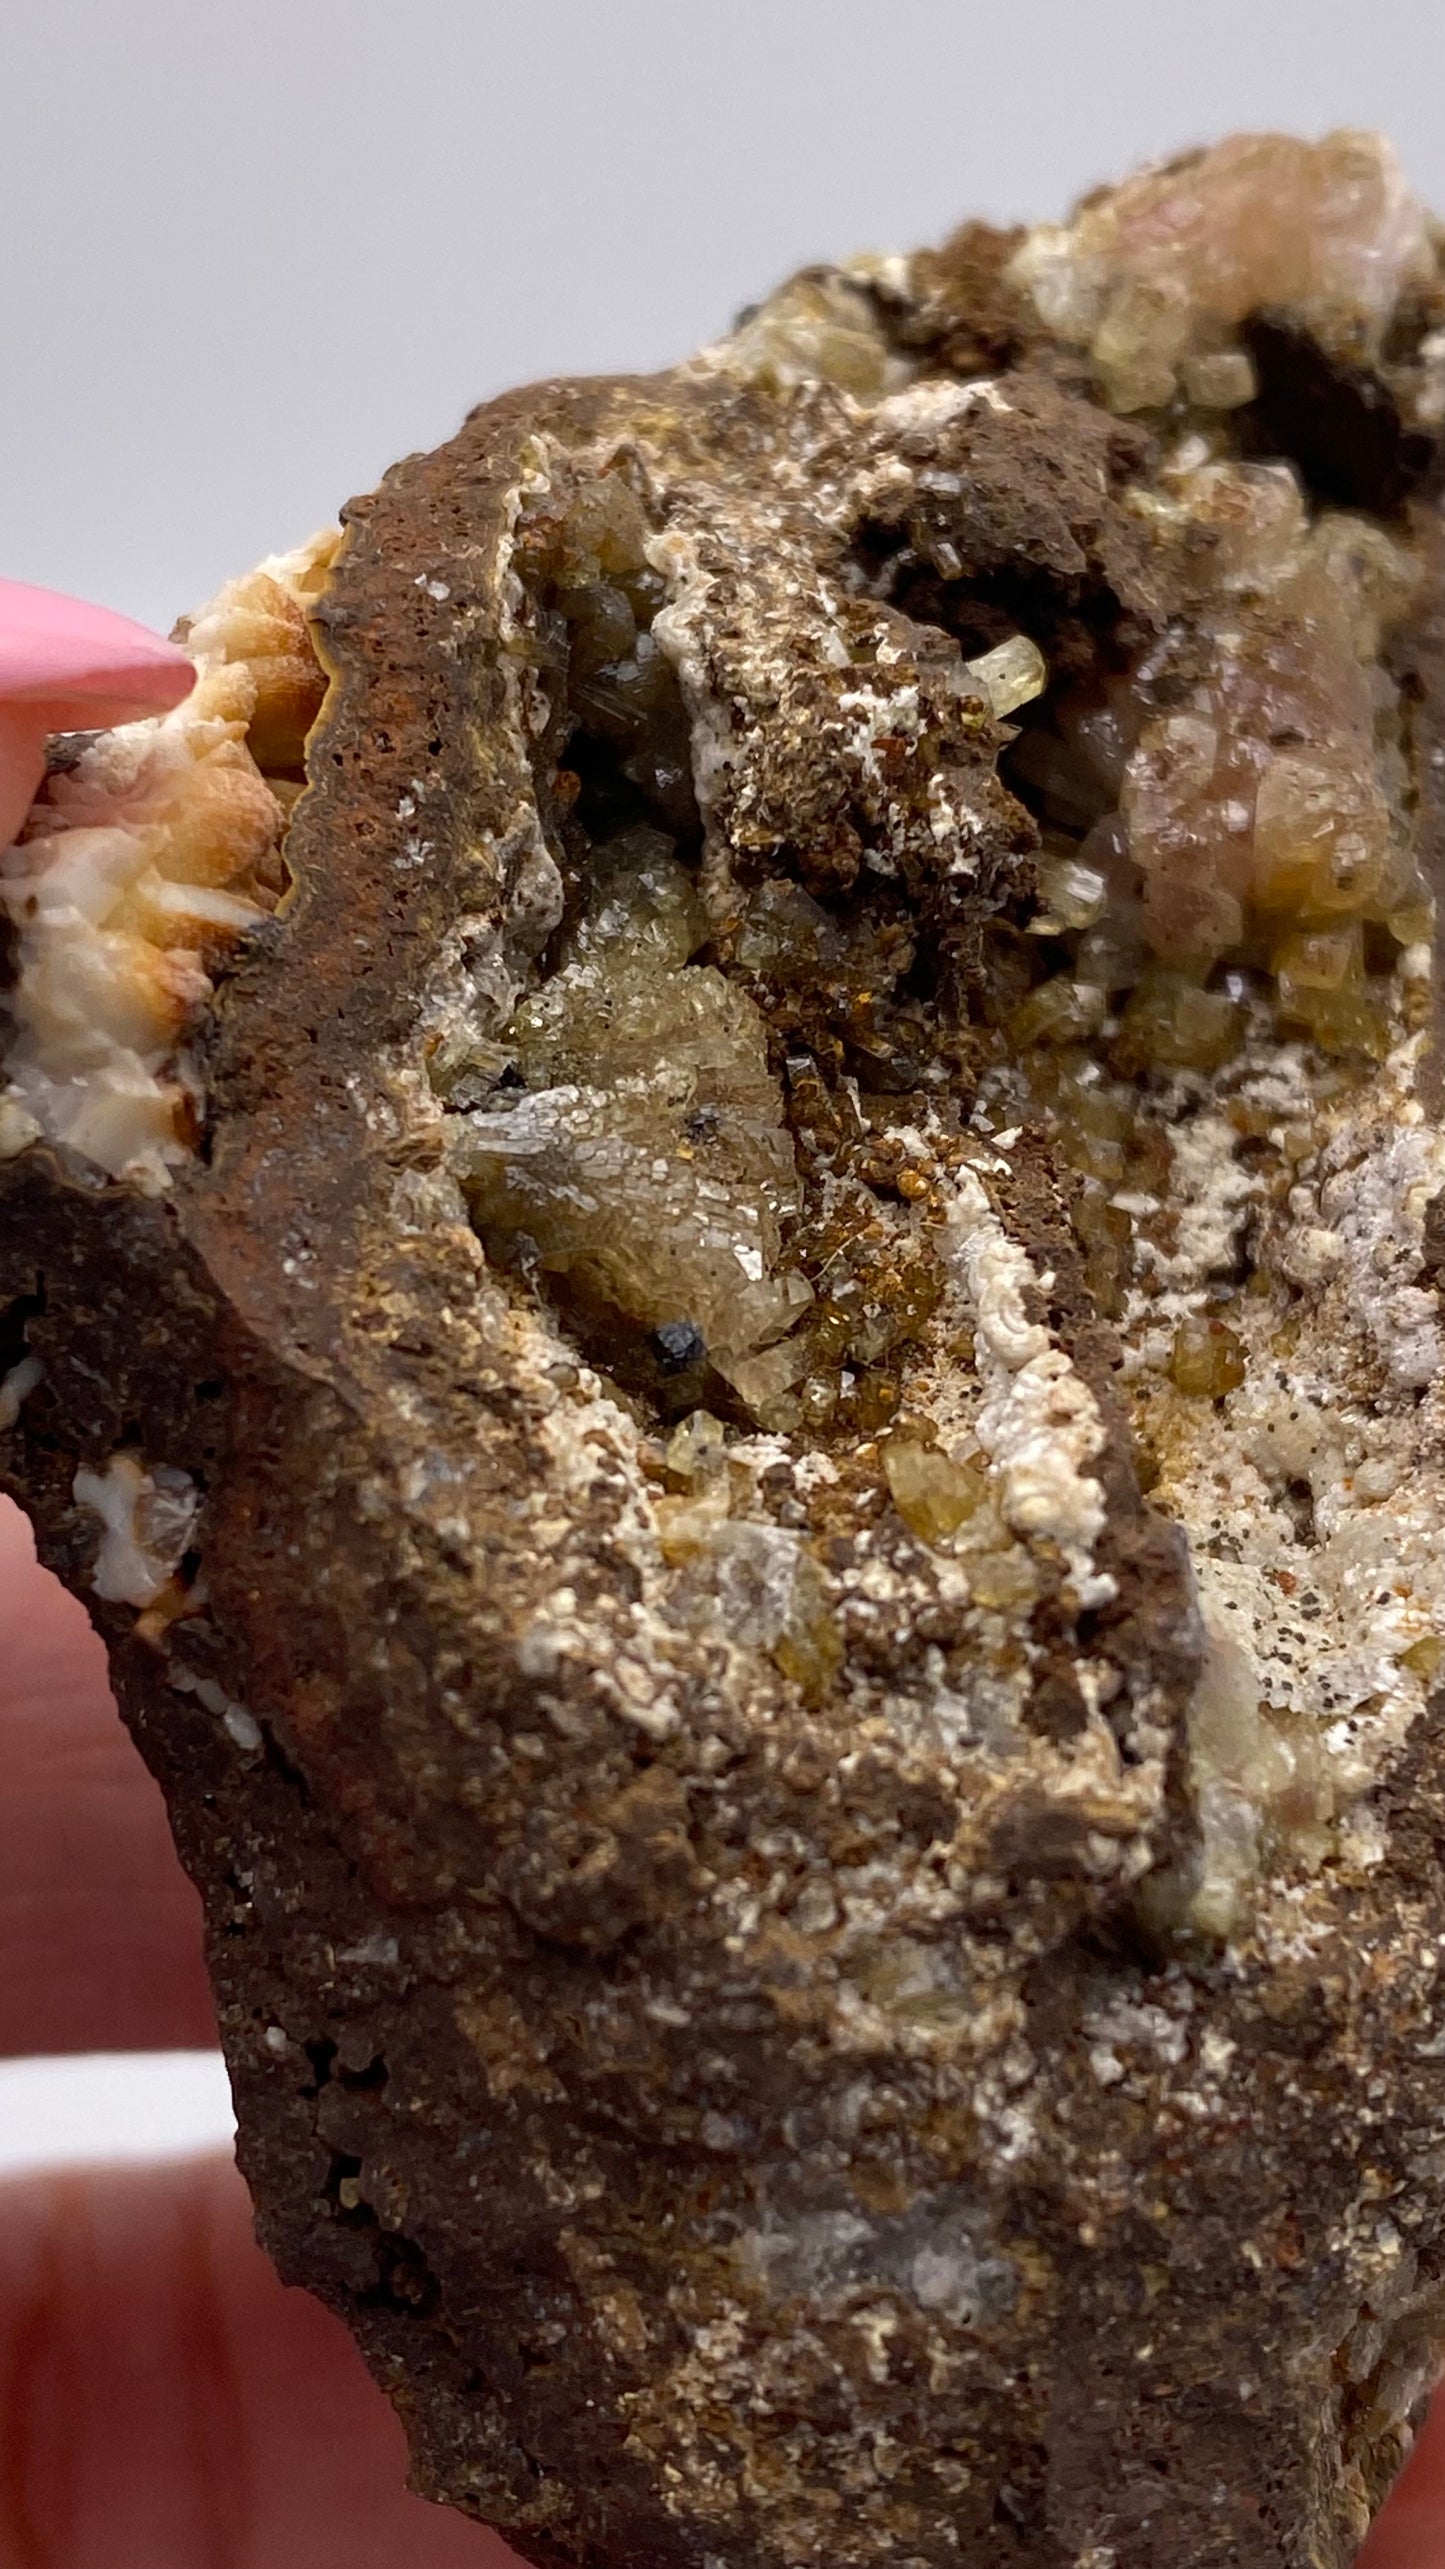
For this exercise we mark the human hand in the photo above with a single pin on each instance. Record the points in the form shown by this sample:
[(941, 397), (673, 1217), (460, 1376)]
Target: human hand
[(66, 666), (1409, 2531), (165, 2403)]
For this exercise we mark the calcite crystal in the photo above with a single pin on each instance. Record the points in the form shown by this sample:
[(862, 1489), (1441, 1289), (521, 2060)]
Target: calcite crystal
[(721, 1218)]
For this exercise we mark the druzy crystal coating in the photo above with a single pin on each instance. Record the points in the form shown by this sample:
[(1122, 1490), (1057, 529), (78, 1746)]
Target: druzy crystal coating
[(749, 1378)]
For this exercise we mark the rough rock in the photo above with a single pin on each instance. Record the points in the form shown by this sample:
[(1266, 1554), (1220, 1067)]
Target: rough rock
[(719, 1249)]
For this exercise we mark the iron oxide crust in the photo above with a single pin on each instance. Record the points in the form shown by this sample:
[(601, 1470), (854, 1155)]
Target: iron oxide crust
[(743, 1386)]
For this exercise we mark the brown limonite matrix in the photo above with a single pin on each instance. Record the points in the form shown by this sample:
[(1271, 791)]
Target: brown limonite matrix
[(719, 1222)]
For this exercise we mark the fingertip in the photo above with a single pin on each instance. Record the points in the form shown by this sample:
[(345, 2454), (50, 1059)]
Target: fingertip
[(166, 2403), (100, 1931), (1409, 2531), (82, 664)]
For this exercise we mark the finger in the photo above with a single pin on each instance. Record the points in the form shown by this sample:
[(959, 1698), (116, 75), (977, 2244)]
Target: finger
[(165, 2403), (99, 1929), (100, 1937), (1409, 2531)]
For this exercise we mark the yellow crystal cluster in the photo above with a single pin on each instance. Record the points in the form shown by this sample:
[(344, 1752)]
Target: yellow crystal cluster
[(639, 1141), (1228, 840), (641, 1158), (1262, 806), (1154, 278), (1251, 769)]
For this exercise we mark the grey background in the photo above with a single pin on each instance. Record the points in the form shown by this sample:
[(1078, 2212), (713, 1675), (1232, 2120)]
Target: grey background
[(250, 250)]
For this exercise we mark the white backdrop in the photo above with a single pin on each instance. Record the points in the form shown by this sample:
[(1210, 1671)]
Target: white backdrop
[(115, 2105), (253, 251)]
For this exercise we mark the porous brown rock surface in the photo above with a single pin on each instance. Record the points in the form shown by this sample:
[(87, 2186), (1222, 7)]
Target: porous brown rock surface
[(720, 1223)]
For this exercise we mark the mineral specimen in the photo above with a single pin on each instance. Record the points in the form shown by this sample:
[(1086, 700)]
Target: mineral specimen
[(720, 1247)]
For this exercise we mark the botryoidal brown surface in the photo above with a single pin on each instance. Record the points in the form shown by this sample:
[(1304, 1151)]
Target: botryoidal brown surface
[(726, 1293)]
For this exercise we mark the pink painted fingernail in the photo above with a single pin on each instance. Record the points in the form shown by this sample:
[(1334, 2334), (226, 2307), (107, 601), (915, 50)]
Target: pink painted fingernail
[(68, 666), (83, 665)]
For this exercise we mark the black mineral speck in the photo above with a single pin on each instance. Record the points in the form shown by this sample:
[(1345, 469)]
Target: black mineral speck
[(680, 1344)]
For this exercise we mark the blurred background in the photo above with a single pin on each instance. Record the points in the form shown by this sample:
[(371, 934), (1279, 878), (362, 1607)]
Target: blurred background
[(254, 253)]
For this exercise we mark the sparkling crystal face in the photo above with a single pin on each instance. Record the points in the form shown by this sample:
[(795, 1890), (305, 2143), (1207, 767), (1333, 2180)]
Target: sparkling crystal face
[(725, 1133), (1223, 846), (921, 759), (746, 1358), (1158, 278)]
